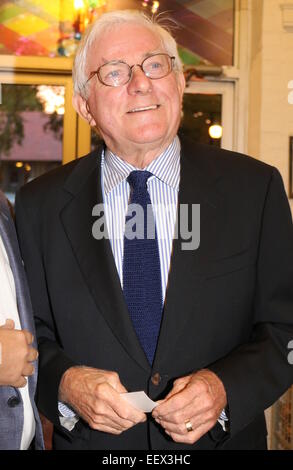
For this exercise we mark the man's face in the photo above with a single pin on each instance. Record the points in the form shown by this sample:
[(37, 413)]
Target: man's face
[(116, 110)]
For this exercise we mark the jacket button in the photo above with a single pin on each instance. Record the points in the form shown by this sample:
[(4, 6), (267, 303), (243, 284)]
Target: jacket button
[(156, 379), (13, 402)]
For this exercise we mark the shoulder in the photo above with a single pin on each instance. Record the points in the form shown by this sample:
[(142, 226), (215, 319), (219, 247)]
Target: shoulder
[(73, 174), (232, 165)]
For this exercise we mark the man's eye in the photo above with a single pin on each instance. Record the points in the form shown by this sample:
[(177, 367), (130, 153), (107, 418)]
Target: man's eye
[(156, 65), (113, 74)]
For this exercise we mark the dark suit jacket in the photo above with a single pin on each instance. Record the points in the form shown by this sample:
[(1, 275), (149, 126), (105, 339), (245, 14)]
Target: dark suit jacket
[(11, 405), (229, 304)]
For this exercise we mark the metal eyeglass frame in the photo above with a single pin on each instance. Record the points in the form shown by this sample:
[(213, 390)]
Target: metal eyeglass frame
[(97, 72)]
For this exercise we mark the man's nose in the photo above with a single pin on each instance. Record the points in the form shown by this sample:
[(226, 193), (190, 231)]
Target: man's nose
[(139, 82)]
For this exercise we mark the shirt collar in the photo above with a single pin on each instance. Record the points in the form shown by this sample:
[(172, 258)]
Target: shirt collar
[(166, 167)]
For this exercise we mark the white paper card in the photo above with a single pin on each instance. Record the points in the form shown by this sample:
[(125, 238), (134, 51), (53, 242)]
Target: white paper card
[(140, 400)]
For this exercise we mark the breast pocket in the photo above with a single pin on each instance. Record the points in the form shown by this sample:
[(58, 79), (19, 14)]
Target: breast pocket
[(223, 266)]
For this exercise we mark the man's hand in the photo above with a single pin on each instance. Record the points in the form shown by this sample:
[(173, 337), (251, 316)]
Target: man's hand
[(197, 399), (95, 396), (16, 355)]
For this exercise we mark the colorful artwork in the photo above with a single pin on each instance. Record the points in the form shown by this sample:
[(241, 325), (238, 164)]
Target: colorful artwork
[(52, 29)]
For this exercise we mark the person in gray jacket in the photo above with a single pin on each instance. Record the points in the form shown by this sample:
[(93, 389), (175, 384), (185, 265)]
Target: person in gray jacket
[(20, 426)]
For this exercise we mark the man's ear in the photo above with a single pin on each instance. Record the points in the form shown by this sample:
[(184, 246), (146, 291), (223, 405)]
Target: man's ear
[(82, 108), (181, 82)]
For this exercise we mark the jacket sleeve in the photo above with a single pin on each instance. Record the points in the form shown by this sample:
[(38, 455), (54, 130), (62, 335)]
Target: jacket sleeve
[(256, 374), (52, 360)]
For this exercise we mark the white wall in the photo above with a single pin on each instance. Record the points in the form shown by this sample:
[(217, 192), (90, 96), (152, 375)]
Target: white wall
[(270, 114)]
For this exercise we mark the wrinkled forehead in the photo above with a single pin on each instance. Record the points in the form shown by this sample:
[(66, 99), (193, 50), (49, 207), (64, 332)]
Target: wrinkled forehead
[(124, 42)]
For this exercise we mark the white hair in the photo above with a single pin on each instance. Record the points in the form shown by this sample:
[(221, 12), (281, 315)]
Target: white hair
[(80, 71)]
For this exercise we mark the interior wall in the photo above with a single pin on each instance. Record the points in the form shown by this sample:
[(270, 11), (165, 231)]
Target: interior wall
[(270, 113), (255, 79)]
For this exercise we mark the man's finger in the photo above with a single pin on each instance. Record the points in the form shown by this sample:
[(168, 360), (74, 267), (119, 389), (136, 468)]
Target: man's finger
[(196, 407), (109, 417), (20, 383), (179, 417), (124, 410), (9, 325), (192, 391), (177, 388), (178, 426), (177, 403), (28, 336), (32, 355), (193, 436), (28, 370), (117, 404)]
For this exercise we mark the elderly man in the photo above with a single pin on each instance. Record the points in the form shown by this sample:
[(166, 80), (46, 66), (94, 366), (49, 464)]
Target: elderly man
[(203, 329), (20, 426)]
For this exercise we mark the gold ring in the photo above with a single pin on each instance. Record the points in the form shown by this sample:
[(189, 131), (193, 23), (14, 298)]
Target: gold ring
[(188, 426)]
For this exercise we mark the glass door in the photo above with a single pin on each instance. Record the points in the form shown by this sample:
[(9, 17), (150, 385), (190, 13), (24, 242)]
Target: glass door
[(36, 134), (208, 112)]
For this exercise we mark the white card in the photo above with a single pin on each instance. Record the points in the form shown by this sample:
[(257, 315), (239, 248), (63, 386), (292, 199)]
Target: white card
[(139, 400)]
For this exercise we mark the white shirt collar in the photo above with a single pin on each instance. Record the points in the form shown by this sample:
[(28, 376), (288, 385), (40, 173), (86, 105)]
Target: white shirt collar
[(166, 167)]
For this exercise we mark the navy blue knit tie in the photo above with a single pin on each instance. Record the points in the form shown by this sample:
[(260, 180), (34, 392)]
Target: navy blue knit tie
[(141, 265)]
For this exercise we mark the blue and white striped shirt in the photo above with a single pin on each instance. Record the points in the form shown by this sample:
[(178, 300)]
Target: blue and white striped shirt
[(163, 188)]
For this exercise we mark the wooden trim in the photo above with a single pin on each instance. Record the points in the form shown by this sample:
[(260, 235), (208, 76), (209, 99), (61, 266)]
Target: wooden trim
[(70, 125), (34, 64), (291, 167), (84, 137)]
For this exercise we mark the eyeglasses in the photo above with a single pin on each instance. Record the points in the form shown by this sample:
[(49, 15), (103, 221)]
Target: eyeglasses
[(118, 73)]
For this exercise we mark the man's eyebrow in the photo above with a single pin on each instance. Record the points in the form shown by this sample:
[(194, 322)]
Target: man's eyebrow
[(145, 55), (155, 51), (105, 61)]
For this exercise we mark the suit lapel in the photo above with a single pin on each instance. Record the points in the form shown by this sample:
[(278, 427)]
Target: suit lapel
[(198, 183), (9, 238), (95, 257)]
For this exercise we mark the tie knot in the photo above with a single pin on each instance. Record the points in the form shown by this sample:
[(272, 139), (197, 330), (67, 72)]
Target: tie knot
[(138, 179)]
